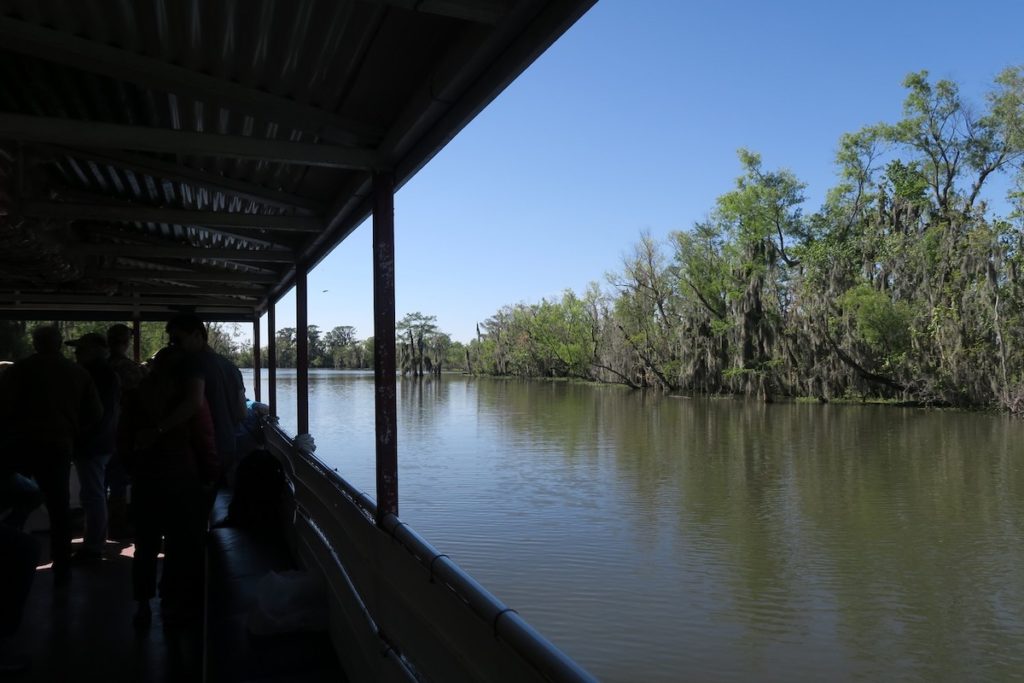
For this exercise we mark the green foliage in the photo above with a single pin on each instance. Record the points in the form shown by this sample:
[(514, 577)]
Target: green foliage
[(14, 342), (882, 324), (901, 286)]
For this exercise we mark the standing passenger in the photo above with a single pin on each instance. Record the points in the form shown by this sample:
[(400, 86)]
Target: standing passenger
[(119, 338), (96, 445), (212, 376), (51, 402), (170, 468)]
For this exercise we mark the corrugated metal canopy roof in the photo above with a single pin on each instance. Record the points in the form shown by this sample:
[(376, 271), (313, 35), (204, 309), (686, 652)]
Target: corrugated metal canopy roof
[(170, 154)]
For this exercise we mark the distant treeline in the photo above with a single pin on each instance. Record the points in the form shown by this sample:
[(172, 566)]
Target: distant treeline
[(904, 285), (422, 347)]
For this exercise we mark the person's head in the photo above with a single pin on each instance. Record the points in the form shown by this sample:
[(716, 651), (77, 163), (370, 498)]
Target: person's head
[(46, 339), (119, 338), (89, 347), (186, 331)]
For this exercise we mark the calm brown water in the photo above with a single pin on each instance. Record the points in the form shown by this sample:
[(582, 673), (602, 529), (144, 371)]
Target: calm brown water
[(665, 539)]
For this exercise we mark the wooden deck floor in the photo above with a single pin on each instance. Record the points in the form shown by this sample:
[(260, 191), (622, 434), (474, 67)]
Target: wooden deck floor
[(84, 632)]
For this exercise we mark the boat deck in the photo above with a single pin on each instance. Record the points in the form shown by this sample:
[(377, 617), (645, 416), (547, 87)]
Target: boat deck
[(84, 632)]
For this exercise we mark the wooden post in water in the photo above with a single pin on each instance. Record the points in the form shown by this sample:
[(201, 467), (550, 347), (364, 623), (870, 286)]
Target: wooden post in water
[(272, 358), (384, 343), (301, 350), (257, 388)]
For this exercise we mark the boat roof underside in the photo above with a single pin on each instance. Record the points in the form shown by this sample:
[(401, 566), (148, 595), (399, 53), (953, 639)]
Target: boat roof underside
[(167, 155)]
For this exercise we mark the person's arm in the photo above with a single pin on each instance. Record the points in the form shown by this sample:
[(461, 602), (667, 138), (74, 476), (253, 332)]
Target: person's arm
[(204, 445), (240, 408), (126, 425), (195, 394)]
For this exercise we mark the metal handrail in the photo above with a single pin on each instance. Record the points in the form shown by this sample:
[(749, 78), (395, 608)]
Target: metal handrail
[(506, 623)]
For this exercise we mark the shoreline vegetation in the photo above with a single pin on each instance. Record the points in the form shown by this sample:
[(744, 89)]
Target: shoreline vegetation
[(906, 287)]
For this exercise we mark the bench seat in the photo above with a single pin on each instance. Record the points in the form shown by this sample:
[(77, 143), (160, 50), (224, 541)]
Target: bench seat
[(237, 559)]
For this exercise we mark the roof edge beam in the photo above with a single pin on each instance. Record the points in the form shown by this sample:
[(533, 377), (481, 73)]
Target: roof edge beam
[(77, 133), (86, 55)]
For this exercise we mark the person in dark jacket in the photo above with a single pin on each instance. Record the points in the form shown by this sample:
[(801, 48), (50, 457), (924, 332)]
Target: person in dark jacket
[(210, 376), (51, 401), (96, 445), (172, 469)]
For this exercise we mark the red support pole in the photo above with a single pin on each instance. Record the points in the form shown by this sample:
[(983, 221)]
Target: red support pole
[(301, 350), (384, 364), (272, 359), (136, 340), (257, 381)]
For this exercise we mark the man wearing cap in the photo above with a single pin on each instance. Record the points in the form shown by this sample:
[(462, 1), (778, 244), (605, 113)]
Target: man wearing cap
[(51, 401), (96, 444), (119, 338)]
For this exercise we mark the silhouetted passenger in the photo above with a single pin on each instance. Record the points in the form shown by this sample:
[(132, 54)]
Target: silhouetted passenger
[(19, 495), (258, 499), (119, 339), (96, 445), (212, 376), (51, 401), (20, 555), (170, 469), (249, 436)]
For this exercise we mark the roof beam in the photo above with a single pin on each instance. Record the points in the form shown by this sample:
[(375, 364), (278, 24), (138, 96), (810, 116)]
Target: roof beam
[(77, 133), (181, 251), (205, 289), (120, 313), (118, 232), (135, 213), (126, 300), (185, 174), (148, 275), (479, 11), (86, 55)]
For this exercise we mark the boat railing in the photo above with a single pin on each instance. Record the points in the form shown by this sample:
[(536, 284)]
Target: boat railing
[(400, 609)]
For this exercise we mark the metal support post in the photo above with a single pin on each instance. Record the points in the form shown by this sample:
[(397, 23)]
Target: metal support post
[(301, 350), (257, 383), (384, 365), (136, 340), (272, 358)]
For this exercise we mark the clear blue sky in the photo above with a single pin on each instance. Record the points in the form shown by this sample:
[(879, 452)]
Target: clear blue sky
[(631, 123)]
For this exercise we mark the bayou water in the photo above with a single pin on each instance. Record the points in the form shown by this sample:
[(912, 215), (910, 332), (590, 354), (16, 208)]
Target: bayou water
[(669, 539)]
